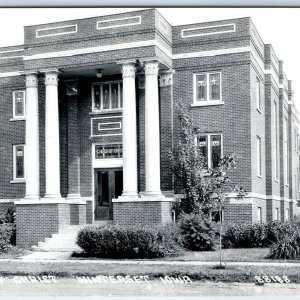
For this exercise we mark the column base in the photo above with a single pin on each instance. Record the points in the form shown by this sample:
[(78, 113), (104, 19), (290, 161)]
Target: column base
[(54, 197), (73, 197), (32, 197), (143, 210), (152, 194)]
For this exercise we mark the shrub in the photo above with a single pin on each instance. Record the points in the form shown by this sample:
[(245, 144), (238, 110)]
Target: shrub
[(7, 233), (287, 246), (130, 241), (198, 232), (256, 235)]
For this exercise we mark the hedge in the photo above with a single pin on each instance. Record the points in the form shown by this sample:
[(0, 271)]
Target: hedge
[(7, 236), (130, 241)]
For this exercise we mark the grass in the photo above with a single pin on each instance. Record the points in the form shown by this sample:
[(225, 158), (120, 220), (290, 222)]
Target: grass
[(14, 252)]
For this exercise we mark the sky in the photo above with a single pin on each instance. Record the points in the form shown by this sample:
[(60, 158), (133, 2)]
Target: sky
[(277, 26)]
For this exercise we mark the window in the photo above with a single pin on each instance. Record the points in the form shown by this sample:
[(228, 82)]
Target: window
[(258, 98), (276, 158), (276, 217), (18, 162), (258, 149), (107, 96), (286, 150), (108, 151), (287, 214), (207, 87), (259, 215), (19, 104), (210, 146)]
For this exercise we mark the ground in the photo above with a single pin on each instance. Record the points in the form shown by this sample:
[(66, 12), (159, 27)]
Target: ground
[(205, 278)]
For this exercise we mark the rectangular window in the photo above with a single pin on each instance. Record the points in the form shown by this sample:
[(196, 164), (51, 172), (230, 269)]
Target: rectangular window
[(258, 97), (107, 96), (210, 146), (276, 148), (276, 217), (258, 151), (286, 150), (259, 215), (18, 162), (19, 104), (287, 214), (207, 87)]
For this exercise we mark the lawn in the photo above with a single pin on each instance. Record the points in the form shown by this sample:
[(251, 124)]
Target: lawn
[(14, 252)]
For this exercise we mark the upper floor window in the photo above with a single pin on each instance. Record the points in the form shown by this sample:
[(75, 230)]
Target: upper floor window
[(19, 104), (207, 87), (210, 146), (258, 97), (18, 162), (107, 95), (258, 149)]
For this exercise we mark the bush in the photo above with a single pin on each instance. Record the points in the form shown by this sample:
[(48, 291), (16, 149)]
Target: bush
[(7, 234), (256, 235), (287, 246), (198, 232), (130, 241)]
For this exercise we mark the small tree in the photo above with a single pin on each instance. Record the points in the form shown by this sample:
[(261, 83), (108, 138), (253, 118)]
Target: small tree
[(205, 189)]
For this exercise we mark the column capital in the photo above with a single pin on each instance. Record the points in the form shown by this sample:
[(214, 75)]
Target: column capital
[(166, 77), (128, 69), (31, 79), (51, 77), (151, 67)]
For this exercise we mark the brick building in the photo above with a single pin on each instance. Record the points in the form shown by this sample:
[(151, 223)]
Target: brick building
[(87, 116)]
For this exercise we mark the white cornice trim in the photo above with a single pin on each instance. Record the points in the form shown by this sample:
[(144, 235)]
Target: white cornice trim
[(10, 74)]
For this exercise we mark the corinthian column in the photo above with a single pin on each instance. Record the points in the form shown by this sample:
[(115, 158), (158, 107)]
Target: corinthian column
[(32, 161), (152, 134), (52, 136), (129, 131)]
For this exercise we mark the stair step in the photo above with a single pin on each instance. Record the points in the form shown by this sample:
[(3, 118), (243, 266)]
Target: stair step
[(53, 249)]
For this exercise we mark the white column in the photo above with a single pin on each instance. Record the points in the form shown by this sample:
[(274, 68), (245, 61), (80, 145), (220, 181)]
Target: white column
[(52, 136), (129, 131), (152, 134), (32, 160)]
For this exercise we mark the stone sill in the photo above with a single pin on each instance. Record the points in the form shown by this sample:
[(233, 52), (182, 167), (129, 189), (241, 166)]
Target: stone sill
[(208, 103), (103, 112), (42, 201), (18, 181), (17, 119)]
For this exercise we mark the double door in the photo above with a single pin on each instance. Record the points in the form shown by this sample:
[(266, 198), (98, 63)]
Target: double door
[(108, 185)]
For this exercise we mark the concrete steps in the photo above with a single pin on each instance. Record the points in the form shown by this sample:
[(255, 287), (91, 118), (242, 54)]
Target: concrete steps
[(65, 239)]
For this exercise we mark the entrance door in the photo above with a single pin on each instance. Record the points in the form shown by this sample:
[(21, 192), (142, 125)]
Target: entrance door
[(108, 185)]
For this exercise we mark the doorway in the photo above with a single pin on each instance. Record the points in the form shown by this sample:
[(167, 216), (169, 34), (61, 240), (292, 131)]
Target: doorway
[(108, 185)]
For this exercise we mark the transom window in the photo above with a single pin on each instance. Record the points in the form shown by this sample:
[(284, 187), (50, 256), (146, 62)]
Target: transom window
[(18, 104), (210, 146), (18, 162), (207, 87), (107, 95)]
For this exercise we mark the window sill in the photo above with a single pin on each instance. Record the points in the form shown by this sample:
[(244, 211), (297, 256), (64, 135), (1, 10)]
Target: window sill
[(259, 110), (207, 103), (17, 119), (18, 181), (103, 112)]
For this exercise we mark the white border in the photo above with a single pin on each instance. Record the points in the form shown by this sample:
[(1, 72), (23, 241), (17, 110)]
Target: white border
[(100, 118), (122, 25), (54, 34), (107, 129), (205, 27)]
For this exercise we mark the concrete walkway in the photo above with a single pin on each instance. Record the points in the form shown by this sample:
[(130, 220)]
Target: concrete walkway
[(65, 257)]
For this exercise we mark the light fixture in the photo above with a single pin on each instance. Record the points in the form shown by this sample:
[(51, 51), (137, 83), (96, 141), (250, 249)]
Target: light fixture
[(99, 73)]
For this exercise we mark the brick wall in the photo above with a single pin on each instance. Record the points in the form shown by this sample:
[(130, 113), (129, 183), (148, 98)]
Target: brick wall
[(141, 212)]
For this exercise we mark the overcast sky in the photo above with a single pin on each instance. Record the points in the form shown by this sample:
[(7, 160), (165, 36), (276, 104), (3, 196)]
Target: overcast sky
[(277, 26)]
